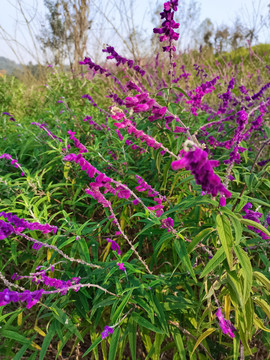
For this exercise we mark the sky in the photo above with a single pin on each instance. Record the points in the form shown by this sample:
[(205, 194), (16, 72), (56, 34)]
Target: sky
[(13, 25)]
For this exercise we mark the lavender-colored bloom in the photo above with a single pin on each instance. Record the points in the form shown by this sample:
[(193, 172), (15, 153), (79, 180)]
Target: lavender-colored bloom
[(167, 223), (97, 68), (77, 143), (197, 94), (179, 129), (254, 216), (10, 116), (12, 161), (44, 127), (107, 330), (121, 60), (225, 325), (166, 31), (139, 134), (121, 266), (5, 229), (114, 246), (264, 162), (268, 219), (260, 92), (21, 224), (197, 162), (93, 66), (7, 296)]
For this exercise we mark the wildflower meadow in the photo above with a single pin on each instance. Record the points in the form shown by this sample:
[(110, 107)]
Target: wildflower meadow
[(135, 208)]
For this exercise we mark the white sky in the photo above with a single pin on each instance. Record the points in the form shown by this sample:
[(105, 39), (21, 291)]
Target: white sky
[(11, 20)]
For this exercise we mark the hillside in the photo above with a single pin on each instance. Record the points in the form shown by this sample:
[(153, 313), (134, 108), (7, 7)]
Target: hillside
[(9, 66)]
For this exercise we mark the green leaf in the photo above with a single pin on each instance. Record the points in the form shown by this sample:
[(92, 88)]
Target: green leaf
[(157, 345), (237, 229), (217, 259), (183, 255), (84, 249), (20, 353), (2, 317), (132, 336), (93, 346), (259, 323), (179, 344), (121, 307), (145, 323), (160, 313), (263, 305), (181, 91), (236, 343), (199, 237), (202, 337), (247, 270), (225, 235), (263, 279), (256, 225), (244, 337), (13, 335), (235, 285), (114, 343), (46, 342)]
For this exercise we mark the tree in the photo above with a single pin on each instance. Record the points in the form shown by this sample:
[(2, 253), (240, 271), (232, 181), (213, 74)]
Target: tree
[(77, 24), (221, 38), (66, 35), (205, 33), (54, 36)]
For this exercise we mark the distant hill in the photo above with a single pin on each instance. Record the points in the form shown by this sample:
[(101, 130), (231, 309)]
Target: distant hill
[(8, 66)]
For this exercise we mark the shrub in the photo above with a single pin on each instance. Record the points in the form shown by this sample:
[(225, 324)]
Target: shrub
[(163, 252)]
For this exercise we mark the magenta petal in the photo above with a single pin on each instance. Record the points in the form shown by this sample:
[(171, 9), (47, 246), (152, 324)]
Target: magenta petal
[(178, 164)]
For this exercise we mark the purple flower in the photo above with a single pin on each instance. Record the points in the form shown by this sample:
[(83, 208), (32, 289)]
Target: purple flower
[(225, 325), (166, 31), (77, 142), (7, 296), (264, 162), (121, 60), (197, 162), (5, 230), (12, 161), (107, 330), (121, 266), (254, 216), (167, 223), (44, 127), (268, 219), (21, 224), (114, 246), (10, 116)]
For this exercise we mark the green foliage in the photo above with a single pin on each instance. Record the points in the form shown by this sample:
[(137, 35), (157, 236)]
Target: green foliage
[(213, 260)]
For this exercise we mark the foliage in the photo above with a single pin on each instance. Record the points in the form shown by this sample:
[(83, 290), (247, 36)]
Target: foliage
[(177, 268)]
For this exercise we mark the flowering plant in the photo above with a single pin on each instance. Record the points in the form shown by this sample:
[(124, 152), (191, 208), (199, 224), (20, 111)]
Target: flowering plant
[(113, 241)]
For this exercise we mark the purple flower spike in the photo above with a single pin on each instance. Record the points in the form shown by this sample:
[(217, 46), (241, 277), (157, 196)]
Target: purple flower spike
[(121, 266), (225, 325), (5, 229), (254, 216), (222, 201), (166, 31), (107, 330), (167, 223), (114, 246), (197, 162)]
